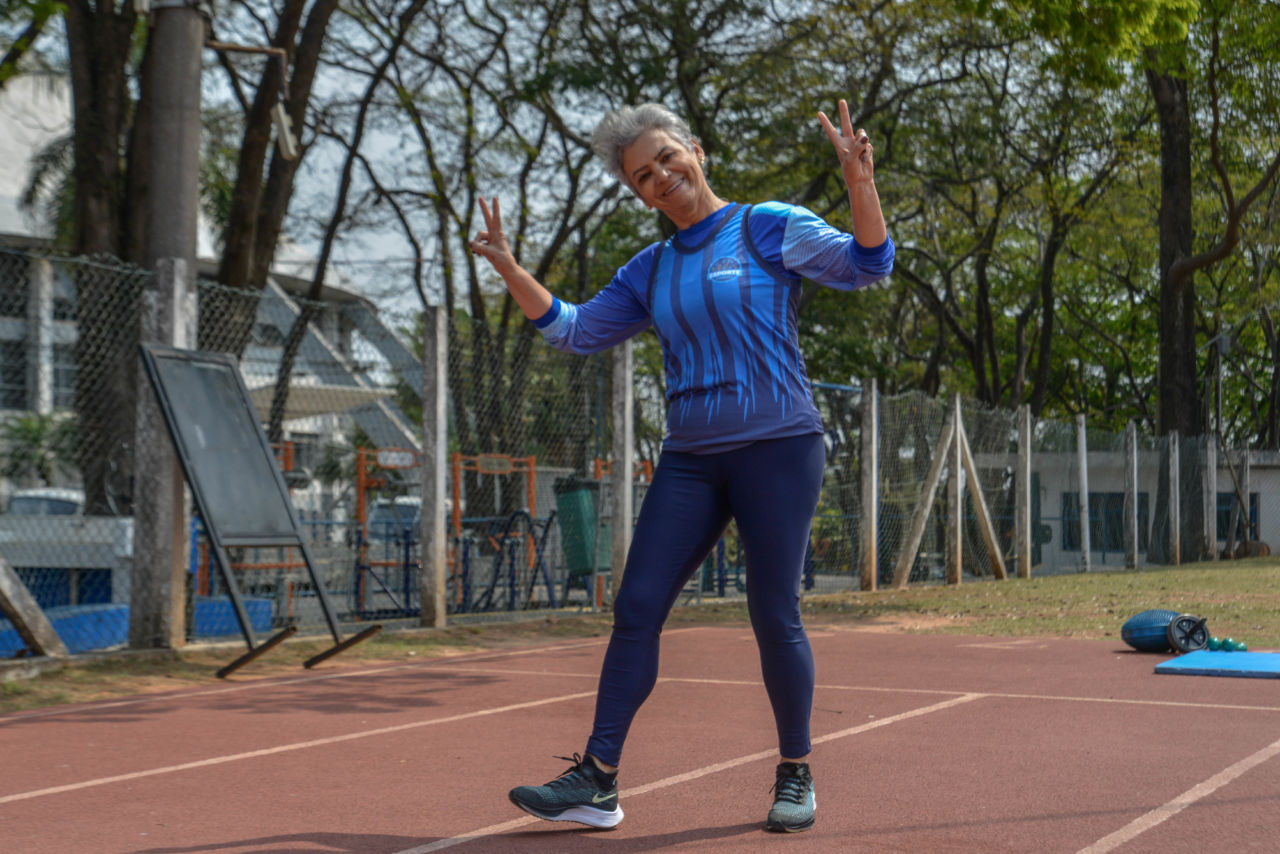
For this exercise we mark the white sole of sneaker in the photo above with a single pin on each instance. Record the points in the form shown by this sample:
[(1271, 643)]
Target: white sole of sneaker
[(582, 815)]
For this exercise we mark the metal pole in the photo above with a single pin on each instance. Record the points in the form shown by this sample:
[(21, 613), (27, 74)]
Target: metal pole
[(955, 502), (1246, 512), (435, 466), (1175, 502), (1131, 495), (870, 522), (1022, 481), (1211, 495), (624, 452), (1082, 458)]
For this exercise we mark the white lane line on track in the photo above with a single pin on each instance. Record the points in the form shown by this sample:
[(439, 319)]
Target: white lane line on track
[(287, 748), (677, 779), (1168, 810), (878, 689), (321, 677)]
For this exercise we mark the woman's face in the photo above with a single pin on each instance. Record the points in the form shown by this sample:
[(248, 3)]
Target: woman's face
[(668, 176)]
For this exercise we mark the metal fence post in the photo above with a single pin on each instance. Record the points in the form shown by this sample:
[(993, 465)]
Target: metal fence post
[(1082, 453), (435, 465), (1247, 510), (1175, 502), (1022, 501), (1211, 495), (1130, 495), (955, 502), (869, 526), (624, 452)]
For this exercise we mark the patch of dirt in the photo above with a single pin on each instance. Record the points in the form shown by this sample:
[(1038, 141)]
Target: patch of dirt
[(887, 623)]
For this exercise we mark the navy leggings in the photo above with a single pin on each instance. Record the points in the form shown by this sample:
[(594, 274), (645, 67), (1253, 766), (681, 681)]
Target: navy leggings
[(771, 489)]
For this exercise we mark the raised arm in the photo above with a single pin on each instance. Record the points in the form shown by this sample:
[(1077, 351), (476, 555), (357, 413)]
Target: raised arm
[(858, 169), (491, 245)]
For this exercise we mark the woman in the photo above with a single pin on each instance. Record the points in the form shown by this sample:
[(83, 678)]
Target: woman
[(744, 437)]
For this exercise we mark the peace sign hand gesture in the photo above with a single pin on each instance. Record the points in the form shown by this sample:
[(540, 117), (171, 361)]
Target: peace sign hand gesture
[(491, 243), (853, 149)]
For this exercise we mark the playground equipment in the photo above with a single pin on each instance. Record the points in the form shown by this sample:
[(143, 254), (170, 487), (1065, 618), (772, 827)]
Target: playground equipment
[(398, 528), (508, 535)]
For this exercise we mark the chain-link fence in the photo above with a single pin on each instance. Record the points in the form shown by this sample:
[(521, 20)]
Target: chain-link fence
[(337, 385)]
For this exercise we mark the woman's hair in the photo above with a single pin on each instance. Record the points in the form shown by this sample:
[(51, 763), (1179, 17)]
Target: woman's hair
[(623, 126)]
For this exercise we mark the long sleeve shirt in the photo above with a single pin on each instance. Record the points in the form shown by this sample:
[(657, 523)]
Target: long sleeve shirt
[(722, 296)]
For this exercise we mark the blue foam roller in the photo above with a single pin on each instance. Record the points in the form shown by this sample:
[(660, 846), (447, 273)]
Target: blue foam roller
[(1148, 631)]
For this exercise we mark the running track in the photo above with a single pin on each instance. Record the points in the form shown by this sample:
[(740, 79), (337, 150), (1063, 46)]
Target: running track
[(923, 744)]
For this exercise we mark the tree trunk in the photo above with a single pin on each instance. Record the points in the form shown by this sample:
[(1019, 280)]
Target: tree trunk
[(1179, 406), (98, 44), (1179, 402)]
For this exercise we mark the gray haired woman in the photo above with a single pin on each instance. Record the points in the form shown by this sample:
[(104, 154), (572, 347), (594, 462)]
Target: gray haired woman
[(744, 438)]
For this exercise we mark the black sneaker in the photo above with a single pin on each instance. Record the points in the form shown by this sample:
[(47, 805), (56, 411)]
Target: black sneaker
[(583, 793), (794, 801)]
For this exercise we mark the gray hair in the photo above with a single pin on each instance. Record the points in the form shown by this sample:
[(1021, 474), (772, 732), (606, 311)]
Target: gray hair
[(623, 126)]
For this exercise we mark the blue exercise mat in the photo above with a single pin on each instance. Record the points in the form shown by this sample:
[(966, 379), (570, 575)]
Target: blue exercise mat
[(1204, 662)]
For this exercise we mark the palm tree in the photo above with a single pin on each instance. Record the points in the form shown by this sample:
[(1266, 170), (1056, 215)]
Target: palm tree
[(38, 449)]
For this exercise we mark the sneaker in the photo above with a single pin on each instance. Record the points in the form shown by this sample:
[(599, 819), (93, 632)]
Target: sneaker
[(583, 793), (794, 801)]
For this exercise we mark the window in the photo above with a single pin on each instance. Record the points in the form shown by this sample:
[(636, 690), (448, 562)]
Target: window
[(64, 376), (1106, 521), (13, 289), (306, 450), (1225, 502), (64, 297), (13, 375)]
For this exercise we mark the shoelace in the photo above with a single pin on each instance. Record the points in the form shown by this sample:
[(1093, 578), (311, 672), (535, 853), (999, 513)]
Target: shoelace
[(570, 775), (791, 787)]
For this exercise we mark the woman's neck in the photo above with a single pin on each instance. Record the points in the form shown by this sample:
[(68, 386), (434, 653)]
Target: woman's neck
[(698, 212)]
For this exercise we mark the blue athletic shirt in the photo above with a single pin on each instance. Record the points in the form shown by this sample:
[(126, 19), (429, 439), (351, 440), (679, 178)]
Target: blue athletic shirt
[(722, 296)]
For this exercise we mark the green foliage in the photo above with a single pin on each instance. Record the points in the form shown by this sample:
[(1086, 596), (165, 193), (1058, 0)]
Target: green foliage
[(28, 21), (1086, 38), (219, 164), (38, 448), (49, 194)]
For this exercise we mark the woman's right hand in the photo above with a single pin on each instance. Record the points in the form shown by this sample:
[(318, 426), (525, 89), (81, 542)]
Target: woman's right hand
[(491, 243)]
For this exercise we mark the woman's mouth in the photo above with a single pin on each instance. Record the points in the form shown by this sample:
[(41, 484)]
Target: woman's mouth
[(676, 186)]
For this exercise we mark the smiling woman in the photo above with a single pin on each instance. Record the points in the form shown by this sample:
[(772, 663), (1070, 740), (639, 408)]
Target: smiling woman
[(744, 438)]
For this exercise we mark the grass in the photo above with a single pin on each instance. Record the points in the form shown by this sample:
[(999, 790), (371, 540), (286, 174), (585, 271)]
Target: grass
[(1240, 599)]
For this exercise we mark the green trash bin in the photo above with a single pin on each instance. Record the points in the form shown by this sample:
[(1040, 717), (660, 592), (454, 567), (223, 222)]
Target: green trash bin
[(577, 510)]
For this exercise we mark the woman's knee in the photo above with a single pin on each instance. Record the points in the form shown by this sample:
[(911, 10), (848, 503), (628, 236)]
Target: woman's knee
[(638, 614), (777, 625)]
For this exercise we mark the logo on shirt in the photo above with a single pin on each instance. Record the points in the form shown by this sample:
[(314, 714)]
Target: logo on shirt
[(724, 270)]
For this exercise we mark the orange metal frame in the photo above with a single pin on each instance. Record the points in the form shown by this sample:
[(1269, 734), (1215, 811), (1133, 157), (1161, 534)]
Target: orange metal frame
[(492, 464), (642, 471)]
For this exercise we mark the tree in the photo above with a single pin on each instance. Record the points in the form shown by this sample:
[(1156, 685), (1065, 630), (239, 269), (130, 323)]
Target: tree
[(1249, 31), (41, 448), (30, 19), (108, 59)]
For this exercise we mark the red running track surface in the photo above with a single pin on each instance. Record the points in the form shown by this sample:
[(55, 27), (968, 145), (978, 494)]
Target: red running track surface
[(922, 744)]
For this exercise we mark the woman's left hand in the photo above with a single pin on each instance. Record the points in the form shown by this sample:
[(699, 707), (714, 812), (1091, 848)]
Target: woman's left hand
[(853, 149)]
